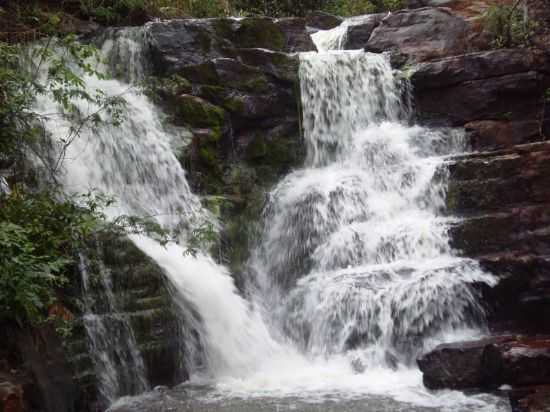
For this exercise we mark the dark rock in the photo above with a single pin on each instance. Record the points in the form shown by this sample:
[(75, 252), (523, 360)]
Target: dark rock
[(488, 363), (498, 134), (455, 365), (196, 112), (477, 66), (360, 29), (323, 21), (518, 362), (509, 97), (420, 35), (11, 396), (178, 43), (55, 389), (282, 66), (297, 38), (531, 399), (497, 94), (175, 44)]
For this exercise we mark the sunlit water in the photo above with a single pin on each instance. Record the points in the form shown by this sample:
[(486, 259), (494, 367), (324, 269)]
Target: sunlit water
[(353, 276)]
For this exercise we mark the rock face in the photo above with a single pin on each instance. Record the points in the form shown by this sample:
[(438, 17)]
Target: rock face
[(179, 43), (497, 95), (421, 34), (234, 84), (323, 21), (44, 372), (503, 196), (489, 363)]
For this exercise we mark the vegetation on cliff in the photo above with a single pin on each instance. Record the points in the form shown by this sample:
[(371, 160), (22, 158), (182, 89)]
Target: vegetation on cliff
[(42, 230)]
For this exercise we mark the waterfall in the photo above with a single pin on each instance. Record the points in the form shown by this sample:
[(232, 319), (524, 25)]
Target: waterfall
[(135, 162), (353, 275)]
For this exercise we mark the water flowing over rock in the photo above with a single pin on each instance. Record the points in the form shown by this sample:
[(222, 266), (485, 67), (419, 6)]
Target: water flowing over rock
[(378, 240), (355, 242)]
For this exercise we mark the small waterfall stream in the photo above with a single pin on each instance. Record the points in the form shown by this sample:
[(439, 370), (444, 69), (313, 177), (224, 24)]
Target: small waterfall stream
[(353, 274)]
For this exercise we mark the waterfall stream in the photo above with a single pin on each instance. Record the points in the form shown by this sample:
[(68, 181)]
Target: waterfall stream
[(353, 275)]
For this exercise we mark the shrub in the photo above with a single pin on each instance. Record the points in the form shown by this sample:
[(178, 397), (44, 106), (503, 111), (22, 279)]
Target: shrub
[(508, 26)]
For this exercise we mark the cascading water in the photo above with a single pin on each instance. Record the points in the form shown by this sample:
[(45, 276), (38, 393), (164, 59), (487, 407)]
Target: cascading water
[(355, 275), (357, 241), (136, 163)]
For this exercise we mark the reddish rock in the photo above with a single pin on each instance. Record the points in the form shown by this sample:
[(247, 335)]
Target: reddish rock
[(488, 363), (518, 362), (531, 399), (491, 134), (11, 397)]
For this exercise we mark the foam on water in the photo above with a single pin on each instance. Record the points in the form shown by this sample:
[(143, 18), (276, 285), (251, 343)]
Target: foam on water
[(354, 272)]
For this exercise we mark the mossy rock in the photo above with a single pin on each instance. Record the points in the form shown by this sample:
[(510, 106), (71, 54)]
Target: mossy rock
[(204, 73), (260, 33), (196, 112)]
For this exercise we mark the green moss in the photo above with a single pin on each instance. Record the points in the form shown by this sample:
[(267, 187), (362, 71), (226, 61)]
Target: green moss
[(214, 94), (259, 32), (233, 104), (223, 28), (202, 73), (207, 155), (197, 112)]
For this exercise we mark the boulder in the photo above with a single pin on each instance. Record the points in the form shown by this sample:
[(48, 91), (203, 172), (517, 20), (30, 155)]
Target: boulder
[(477, 66), (177, 43), (510, 97), (11, 396), (297, 38), (359, 30), (531, 399), (196, 112), (497, 95), (488, 363), (282, 66), (323, 21), (518, 362), (420, 35), (498, 134)]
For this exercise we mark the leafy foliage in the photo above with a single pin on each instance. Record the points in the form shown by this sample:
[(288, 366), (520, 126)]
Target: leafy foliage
[(40, 237), (49, 69), (508, 26)]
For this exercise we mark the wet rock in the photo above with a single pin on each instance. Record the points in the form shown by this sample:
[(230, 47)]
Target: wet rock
[(323, 21), (282, 66), (531, 399), (488, 363), (420, 35), (297, 38), (497, 134), (498, 95), (456, 365), (53, 388), (519, 362), (196, 112), (475, 66), (175, 44), (11, 397), (509, 97), (360, 30)]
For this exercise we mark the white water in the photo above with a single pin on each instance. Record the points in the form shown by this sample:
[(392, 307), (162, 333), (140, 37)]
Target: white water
[(355, 273), (334, 39)]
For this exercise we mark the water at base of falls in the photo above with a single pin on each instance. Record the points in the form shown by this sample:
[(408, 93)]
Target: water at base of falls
[(354, 273)]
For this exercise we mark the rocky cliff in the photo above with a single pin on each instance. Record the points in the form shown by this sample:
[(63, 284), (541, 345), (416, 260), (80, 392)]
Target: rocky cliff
[(234, 84)]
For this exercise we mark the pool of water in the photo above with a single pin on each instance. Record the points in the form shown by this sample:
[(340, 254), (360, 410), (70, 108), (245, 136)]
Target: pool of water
[(196, 398)]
